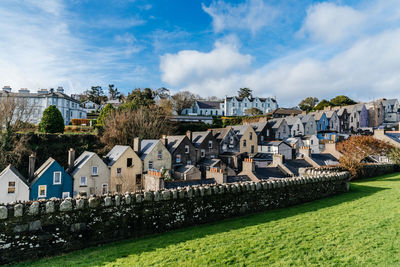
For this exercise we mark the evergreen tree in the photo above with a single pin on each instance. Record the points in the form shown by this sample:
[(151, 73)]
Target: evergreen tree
[(245, 92), (52, 121), (105, 112)]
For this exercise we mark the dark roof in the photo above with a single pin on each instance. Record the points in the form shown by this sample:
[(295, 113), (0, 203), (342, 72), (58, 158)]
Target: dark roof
[(259, 126), (146, 146), (265, 173), (251, 99), (209, 162), (395, 136), (238, 178), (198, 137), (263, 156), (295, 164), (209, 104), (174, 141), (220, 133), (175, 184), (185, 168), (274, 143), (286, 111), (16, 173), (324, 159)]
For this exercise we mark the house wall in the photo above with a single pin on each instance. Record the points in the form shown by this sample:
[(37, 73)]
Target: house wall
[(334, 124), (310, 127), (94, 182), (297, 128), (164, 163), (227, 146), (21, 189), (251, 142), (210, 153), (185, 157), (53, 190), (322, 123), (129, 178), (283, 131)]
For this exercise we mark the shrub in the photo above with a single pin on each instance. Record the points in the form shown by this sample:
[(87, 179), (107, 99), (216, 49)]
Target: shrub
[(80, 121), (52, 121)]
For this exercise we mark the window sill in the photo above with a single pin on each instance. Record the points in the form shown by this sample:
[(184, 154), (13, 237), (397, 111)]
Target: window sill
[(83, 186)]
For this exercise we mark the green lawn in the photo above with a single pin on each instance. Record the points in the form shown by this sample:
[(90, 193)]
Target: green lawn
[(357, 228)]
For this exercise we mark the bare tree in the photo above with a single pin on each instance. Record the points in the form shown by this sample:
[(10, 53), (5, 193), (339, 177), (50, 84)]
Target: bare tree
[(183, 100), (122, 126)]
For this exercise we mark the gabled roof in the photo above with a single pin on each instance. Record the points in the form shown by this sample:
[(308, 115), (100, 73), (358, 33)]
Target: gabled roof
[(291, 120), (269, 172), (115, 154), (295, 164), (275, 123), (240, 130), (292, 140), (199, 137), (174, 141), (306, 118), (147, 146), (259, 126), (220, 133), (80, 161), (39, 172), (209, 104), (274, 143), (317, 115), (286, 111), (329, 113), (15, 172), (185, 168), (323, 159)]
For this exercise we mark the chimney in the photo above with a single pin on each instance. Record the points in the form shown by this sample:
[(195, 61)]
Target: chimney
[(164, 140), (248, 165), (189, 135), (137, 145), (278, 159), (7, 89), (71, 158), (305, 151), (31, 168), (60, 89)]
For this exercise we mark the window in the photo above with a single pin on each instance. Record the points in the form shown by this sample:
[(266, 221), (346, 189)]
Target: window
[(83, 181), (203, 153), (94, 170), (65, 194), (119, 171), (11, 187), (233, 104), (178, 158), (57, 178), (252, 149), (210, 144), (251, 136), (187, 149), (189, 162), (129, 162), (159, 155), (104, 189), (245, 104), (42, 191), (244, 143), (119, 188), (262, 138), (269, 149), (150, 164), (231, 141), (138, 180)]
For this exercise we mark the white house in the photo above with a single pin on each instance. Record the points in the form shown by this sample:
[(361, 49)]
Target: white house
[(90, 106), (295, 125), (200, 107), (13, 186), (35, 103), (312, 142), (236, 106), (276, 147)]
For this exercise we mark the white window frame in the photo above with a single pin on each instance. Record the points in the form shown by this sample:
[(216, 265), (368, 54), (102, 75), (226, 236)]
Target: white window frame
[(102, 187), (45, 191), (66, 194), (97, 170), (54, 178), (151, 164), (159, 155), (210, 144), (80, 181), (187, 149)]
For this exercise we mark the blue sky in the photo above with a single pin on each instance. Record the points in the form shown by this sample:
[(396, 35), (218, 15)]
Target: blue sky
[(288, 49)]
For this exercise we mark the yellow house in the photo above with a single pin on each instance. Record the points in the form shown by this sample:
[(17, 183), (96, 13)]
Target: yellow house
[(126, 169), (248, 139)]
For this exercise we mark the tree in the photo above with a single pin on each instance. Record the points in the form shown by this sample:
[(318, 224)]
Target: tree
[(342, 100), (357, 148), (122, 126), (106, 111), (52, 121), (113, 93), (245, 92), (253, 112), (162, 93), (394, 155), (96, 95), (308, 104), (182, 100), (322, 104), (138, 98)]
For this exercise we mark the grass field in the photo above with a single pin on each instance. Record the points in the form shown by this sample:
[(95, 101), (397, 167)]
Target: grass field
[(359, 228)]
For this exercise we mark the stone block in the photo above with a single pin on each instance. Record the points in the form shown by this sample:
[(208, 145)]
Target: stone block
[(80, 204), (117, 200), (66, 205), (34, 208), (35, 225), (18, 210), (50, 207), (94, 202), (3, 212)]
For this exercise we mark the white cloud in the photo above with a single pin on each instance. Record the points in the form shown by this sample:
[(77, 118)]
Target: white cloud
[(251, 15), (191, 66), (38, 50), (330, 23)]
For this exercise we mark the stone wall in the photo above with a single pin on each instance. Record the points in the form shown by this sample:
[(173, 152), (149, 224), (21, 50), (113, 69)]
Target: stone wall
[(43, 228)]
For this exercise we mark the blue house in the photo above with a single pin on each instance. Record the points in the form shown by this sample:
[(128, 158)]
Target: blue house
[(51, 180), (322, 121)]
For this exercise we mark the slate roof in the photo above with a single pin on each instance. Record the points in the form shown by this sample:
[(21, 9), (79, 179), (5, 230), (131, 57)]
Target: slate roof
[(259, 126), (220, 133), (275, 123), (240, 130), (39, 172), (176, 184), (147, 146), (292, 141), (273, 143), (251, 99), (209, 162), (115, 154), (323, 159), (185, 168), (39, 95), (317, 115), (209, 104), (286, 111), (238, 178), (16, 172), (263, 156), (329, 113), (395, 136), (80, 161), (291, 120), (174, 141), (198, 137), (295, 164), (265, 173)]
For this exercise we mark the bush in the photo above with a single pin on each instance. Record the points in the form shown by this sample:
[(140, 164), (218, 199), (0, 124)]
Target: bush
[(105, 112), (52, 121)]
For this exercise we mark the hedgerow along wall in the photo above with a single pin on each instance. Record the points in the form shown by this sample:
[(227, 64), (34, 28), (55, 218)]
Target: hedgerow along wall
[(44, 228)]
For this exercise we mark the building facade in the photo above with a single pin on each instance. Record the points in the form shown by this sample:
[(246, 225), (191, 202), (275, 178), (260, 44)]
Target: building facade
[(33, 104)]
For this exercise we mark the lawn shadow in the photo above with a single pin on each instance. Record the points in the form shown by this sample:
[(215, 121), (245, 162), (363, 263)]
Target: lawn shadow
[(109, 253), (379, 178)]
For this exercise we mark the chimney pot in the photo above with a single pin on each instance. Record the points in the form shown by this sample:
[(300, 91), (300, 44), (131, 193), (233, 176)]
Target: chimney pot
[(137, 145)]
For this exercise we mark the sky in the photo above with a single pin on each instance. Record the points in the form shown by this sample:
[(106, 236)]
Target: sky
[(280, 48)]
